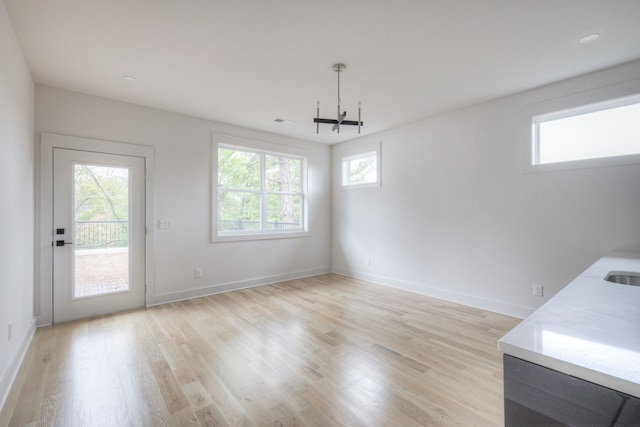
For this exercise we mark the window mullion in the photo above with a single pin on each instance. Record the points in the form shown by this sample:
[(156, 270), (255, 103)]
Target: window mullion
[(236, 190), (283, 193), (263, 196)]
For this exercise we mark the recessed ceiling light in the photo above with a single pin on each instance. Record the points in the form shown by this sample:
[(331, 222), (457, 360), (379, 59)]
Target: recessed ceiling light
[(129, 78), (589, 38)]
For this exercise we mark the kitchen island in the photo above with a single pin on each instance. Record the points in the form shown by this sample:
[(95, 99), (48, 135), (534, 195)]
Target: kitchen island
[(577, 358)]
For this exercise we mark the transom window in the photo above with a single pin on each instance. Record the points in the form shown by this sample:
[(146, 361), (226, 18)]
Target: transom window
[(361, 166), (359, 169), (259, 192), (595, 131)]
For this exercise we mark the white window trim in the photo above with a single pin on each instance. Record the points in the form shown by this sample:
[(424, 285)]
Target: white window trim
[(571, 103), (247, 144), (358, 152)]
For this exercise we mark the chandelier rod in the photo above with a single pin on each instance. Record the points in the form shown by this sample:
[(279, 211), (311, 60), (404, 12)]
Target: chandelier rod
[(340, 119), (338, 68)]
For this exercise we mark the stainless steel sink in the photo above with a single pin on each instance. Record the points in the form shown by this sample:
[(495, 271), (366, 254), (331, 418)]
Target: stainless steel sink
[(623, 278)]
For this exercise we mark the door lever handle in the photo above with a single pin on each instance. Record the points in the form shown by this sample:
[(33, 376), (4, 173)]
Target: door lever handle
[(62, 243)]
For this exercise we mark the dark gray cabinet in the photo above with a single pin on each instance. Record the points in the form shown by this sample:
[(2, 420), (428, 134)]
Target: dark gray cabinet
[(539, 396)]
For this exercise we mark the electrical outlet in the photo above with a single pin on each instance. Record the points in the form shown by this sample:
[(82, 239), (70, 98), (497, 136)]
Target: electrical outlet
[(537, 290), (367, 261), (197, 273), (10, 331)]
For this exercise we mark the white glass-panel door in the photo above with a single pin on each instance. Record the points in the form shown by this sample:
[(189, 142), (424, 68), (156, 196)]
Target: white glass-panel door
[(98, 235)]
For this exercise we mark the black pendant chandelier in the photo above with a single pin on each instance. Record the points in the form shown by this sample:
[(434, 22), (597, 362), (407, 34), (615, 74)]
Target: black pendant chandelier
[(340, 120)]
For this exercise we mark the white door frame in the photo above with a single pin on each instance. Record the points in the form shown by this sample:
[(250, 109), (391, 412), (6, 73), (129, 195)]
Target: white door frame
[(43, 304)]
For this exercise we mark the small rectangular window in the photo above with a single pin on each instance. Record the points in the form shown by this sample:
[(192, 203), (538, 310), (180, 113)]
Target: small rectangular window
[(602, 130), (360, 166), (360, 169)]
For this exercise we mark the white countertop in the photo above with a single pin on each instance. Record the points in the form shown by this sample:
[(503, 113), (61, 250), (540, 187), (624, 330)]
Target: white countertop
[(589, 330)]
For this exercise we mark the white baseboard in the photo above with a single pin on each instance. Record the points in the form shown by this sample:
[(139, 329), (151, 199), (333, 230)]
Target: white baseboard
[(233, 286), (439, 293), (11, 372)]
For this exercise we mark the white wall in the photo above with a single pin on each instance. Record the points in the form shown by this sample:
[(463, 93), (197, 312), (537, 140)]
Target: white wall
[(182, 188), (17, 199), (457, 216)]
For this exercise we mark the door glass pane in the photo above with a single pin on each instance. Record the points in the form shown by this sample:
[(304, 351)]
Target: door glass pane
[(101, 242)]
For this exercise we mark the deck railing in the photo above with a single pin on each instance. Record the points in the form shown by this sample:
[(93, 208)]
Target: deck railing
[(102, 234), (115, 234), (230, 225)]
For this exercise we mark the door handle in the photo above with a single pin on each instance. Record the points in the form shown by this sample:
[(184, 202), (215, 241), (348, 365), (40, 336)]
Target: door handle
[(62, 243)]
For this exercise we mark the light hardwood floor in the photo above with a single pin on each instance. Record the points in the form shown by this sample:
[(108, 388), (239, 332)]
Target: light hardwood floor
[(322, 351)]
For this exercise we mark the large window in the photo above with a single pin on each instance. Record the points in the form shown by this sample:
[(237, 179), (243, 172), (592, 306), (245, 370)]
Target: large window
[(603, 130), (260, 193)]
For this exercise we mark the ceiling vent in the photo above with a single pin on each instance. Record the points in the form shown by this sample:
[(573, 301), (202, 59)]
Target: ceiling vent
[(285, 121)]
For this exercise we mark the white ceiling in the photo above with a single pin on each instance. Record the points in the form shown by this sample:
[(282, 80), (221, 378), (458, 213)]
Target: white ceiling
[(247, 62)]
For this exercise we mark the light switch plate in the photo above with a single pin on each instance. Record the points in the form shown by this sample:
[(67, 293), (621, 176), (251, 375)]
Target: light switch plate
[(165, 223)]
